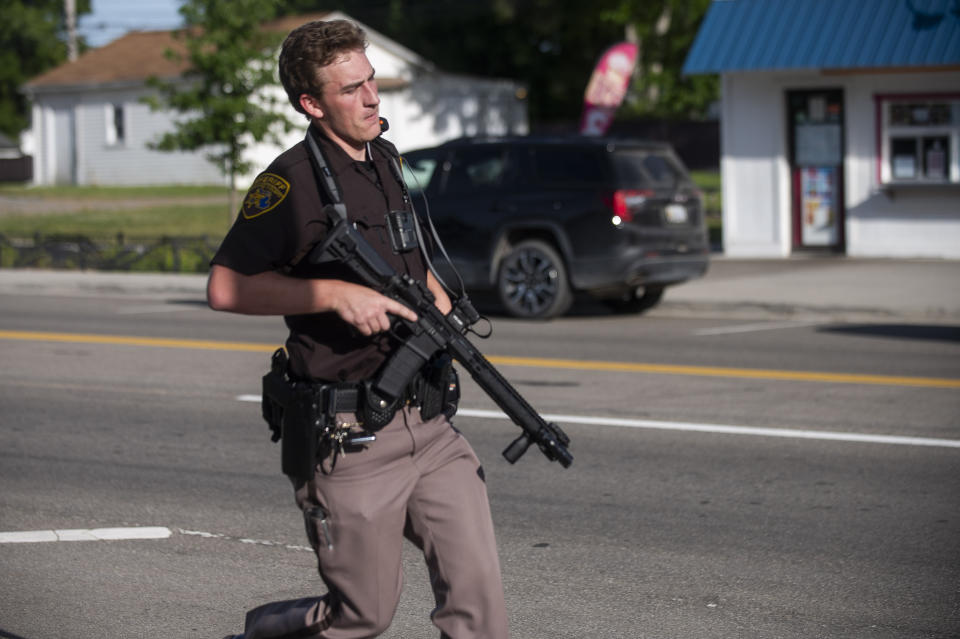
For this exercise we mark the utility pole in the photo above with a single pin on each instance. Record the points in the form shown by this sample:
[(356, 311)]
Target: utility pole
[(70, 12)]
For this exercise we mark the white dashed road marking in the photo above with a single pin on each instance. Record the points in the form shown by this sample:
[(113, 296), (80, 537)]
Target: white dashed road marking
[(84, 534), (117, 534), (790, 433)]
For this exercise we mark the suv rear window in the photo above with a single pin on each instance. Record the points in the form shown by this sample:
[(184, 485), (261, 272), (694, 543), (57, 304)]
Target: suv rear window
[(648, 169)]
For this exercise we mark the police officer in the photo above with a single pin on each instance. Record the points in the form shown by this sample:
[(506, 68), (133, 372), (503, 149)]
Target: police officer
[(419, 478)]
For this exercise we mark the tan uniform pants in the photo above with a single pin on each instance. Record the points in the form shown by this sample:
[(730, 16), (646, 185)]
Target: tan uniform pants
[(418, 480)]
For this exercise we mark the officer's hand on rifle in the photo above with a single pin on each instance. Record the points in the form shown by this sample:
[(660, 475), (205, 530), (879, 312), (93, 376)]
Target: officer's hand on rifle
[(441, 299), (365, 309)]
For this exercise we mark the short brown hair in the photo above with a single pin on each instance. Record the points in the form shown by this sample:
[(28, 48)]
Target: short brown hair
[(310, 47)]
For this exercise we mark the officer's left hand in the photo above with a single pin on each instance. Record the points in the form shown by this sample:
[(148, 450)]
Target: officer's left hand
[(441, 299), (365, 309)]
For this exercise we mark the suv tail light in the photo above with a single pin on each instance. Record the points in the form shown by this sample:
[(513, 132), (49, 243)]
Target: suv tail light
[(624, 201)]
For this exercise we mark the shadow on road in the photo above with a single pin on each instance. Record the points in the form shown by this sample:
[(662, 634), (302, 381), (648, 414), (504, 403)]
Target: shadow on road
[(931, 332)]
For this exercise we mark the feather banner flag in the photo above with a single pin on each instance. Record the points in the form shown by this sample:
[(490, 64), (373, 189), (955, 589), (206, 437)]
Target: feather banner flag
[(607, 87)]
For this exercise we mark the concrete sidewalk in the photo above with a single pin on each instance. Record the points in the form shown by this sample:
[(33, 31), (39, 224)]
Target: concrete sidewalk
[(102, 283), (830, 288), (802, 288)]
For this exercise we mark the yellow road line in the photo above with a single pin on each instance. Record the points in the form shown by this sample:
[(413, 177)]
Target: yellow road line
[(717, 371), (530, 362), (79, 338)]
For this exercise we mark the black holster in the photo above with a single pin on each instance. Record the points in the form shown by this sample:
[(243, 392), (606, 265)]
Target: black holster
[(295, 414)]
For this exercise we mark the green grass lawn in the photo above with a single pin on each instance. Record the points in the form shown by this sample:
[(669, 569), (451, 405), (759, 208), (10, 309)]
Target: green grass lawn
[(155, 228), (99, 212), (707, 180), (110, 192), (161, 221), (103, 214), (170, 213), (709, 183)]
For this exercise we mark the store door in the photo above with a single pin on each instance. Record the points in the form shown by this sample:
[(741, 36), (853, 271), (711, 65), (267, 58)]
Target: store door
[(816, 168), (64, 146)]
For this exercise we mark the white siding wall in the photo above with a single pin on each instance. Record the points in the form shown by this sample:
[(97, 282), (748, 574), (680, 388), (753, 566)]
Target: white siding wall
[(131, 161), (756, 185), (388, 65), (125, 163), (55, 142), (756, 179), (910, 223), (38, 134), (438, 108), (432, 109), (260, 155)]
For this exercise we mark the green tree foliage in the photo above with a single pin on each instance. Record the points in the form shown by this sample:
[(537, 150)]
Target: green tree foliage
[(221, 99), (549, 45), (665, 32), (33, 39)]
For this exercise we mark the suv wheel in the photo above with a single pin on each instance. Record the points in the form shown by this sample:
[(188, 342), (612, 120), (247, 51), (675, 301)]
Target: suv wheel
[(532, 281), (646, 297)]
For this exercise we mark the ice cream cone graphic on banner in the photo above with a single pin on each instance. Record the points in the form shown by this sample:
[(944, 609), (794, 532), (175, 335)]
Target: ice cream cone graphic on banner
[(607, 87)]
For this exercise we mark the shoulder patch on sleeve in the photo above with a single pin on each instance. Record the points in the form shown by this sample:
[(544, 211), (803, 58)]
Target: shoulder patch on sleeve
[(266, 192)]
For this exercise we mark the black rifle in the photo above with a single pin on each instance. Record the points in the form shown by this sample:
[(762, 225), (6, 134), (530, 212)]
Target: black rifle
[(433, 332)]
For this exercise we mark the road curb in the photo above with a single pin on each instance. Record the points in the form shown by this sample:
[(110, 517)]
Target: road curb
[(757, 296), (748, 310), (40, 282)]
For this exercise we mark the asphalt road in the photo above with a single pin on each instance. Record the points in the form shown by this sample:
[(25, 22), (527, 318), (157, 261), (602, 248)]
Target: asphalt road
[(732, 478)]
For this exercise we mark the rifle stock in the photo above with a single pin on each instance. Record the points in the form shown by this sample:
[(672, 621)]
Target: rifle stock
[(431, 332)]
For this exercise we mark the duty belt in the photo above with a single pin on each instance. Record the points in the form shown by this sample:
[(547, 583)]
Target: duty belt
[(340, 398), (303, 412), (346, 397)]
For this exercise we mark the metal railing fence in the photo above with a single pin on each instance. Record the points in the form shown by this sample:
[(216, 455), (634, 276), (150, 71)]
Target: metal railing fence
[(119, 253)]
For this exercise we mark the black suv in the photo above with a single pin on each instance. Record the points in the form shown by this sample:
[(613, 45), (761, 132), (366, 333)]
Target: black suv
[(538, 219)]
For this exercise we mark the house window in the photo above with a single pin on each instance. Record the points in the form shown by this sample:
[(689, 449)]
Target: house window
[(116, 124), (919, 139)]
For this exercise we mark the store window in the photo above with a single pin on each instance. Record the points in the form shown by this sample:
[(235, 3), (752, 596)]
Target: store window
[(919, 139)]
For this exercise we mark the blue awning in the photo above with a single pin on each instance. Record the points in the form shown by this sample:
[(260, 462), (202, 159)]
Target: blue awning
[(762, 35)]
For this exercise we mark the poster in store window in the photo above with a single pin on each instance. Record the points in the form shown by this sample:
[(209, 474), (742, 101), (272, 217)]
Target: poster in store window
[(818, 144), (818, 206)]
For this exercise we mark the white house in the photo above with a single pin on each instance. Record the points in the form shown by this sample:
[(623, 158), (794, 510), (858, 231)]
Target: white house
[(90, 125), (840, 125)]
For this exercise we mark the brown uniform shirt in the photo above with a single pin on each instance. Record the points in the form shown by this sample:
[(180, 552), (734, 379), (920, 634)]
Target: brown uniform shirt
[(282, 217)]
